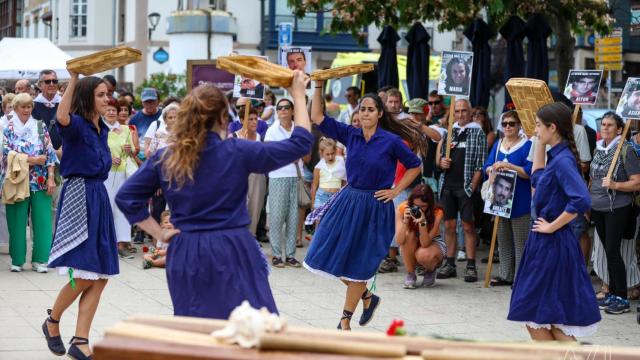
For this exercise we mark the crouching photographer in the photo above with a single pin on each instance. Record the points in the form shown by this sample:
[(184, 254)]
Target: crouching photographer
[(418, 234)]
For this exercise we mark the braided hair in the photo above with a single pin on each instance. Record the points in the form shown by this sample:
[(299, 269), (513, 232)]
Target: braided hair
[(560, 115), (391, 124)]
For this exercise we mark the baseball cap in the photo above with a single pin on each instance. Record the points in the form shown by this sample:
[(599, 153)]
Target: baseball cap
[(416, 106), (149, 94)]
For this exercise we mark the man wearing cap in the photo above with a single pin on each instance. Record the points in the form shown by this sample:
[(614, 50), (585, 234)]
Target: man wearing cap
[(435, 133), (150, 113)]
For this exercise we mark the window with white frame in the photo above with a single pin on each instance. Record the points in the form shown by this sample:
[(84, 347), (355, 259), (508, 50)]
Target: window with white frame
[(78, 18)]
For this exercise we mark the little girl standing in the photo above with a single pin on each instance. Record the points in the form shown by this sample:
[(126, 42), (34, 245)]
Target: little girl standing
[(329, 175)]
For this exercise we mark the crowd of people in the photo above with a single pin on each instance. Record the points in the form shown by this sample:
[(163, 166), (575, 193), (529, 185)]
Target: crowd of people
[(376, 181)]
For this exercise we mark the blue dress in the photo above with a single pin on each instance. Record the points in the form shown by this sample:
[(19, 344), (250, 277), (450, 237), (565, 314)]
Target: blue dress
[(214, 263), (87, 158), (356, 232), (553, 286)]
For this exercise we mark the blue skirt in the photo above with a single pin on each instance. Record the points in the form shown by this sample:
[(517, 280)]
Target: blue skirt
[(353, 236), (211, 272), (99, 253), (552, 285)]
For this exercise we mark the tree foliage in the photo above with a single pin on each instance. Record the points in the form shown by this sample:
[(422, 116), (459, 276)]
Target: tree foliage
[(354, 15), (166, 85), (565, 17)]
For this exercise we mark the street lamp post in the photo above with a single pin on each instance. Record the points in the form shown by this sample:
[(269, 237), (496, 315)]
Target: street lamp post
[(154, 19)]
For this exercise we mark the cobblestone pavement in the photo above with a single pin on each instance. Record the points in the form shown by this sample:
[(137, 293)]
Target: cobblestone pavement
[(452, 309)]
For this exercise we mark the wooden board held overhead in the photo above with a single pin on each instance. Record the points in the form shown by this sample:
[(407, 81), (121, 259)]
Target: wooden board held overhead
[(104, 60), (342, 71), (528, 95), (257, 69)]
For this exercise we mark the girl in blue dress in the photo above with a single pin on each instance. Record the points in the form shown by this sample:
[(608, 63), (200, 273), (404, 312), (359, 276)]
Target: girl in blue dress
[(355, 234), (213, 262), (84, 244), (552, 293)]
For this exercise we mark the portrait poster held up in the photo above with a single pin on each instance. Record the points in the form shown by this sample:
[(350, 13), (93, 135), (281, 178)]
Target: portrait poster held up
[(500, 202), (454, 80), (296, 58), (248, 88), (583, 86), (455, 75), (629, 105)]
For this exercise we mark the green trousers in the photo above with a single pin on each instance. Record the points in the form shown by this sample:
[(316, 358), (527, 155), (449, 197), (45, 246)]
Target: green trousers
[(17, 214)]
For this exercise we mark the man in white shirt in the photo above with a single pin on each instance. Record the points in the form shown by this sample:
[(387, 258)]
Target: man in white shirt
[(353, 97)]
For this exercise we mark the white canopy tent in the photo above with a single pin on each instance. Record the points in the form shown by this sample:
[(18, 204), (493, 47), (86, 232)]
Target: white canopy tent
[(24, 58)]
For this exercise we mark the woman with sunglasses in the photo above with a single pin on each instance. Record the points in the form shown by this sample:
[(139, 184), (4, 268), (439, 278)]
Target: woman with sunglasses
[(355, 233), (282, 200), (510, 154)]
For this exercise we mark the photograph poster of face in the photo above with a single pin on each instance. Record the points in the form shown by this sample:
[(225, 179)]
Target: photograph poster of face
[(248, 88), (582, 86), (455, 74), (503, 191), (296, 58), (629, 105)]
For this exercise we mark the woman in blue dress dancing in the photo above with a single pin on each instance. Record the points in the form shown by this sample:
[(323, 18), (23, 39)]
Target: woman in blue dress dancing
[(552, 292), (213, 263), (355, 233), (84, 245)]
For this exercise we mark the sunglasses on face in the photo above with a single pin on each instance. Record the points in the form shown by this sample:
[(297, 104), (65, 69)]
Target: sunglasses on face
[(431, 103), (509, 124), (283, 107), (50, 81)]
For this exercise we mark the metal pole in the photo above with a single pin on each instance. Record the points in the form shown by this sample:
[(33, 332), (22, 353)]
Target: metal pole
[(262, 30), (609, 89)]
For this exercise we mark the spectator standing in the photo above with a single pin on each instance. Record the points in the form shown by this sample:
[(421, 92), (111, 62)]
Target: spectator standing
[(282, 201), (510, 153), (22, 86), (257, 182), (269, 112), (437, 110), (121, 146), (394, 104), (237, 123), (462, 174), (143, 119), (353, 97), (333, 108), (611, 207), (29, 137)]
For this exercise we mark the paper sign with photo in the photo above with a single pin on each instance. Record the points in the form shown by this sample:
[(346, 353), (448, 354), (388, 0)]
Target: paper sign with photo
[(503, 190), (248, 88), (582, 86), (455, 74), (296, 58), (629, 105)]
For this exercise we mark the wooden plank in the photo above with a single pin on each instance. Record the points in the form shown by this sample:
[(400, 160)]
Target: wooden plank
[(492, 248), (308, 344), (452, 110)]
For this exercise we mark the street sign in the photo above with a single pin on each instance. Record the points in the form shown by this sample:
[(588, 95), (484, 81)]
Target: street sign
[(609, 41), (610, 66), (604, 58), (614, 49), (161, 56), (285, 34)]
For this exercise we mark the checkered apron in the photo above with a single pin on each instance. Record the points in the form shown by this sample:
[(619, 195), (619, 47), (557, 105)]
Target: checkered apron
[(72, 227)]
